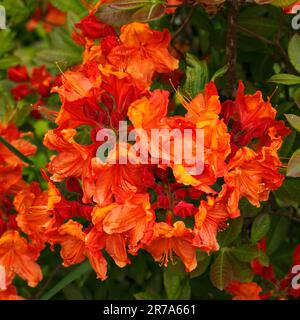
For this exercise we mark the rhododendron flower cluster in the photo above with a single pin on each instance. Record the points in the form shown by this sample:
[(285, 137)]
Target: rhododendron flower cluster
[(92, 209), (113, 84)]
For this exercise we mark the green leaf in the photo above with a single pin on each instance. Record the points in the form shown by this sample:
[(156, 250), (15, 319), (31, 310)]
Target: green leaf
[(197, 75), (263, 26), (75, 6), (221, 272), (247, 209), (16, 151), (241, 270), (288, 193), (72, 276), (219, 73), (294, 51), (260, 227), (65, 57), (62, 50), (6, 40), (293, 168), (176, 282), (17, 10), (246, 252), (297, 97), (278, 232), (120, 12), (72, 292), (294, 121), (226, 237), (285, 78), (147, 296), (283, 3), (8, 62), (264, 259), (203, 260)]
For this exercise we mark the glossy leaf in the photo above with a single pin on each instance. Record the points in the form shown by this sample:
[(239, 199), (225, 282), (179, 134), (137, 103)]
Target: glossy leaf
[(221, 272), (283, 3), (72, 276), (285, 78), (294, 121), (293, 168), (196, 76), (294, 51), (120, 12), (260, 227), (226, 237), (176, 282)]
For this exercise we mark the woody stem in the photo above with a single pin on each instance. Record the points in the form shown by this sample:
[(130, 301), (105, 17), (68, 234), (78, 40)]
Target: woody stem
[(231, 47)]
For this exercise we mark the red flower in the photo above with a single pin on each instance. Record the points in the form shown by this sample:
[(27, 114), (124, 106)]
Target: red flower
[(41, 81), (184, 209), (244, 291), (93, 28), (292, 9), (20, 91), (18, 74)]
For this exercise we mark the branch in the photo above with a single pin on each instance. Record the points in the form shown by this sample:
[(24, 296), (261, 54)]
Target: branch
[(47, 283), (275, 43), (231, 47), (184, 24)]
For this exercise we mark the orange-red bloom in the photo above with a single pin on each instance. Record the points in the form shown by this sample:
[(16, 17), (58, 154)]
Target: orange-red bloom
[(131, 216), (76, 245), (18, 258), (211, 217), (142, 52), (253, 175), (10, 165), (244, 291), (177, 238), (10, 293), (35, 211)]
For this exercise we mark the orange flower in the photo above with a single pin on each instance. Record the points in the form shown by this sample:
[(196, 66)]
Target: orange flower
[(147, 113), (18, 257), (131, 216), (253, 118), (10, 179), (53, 18), (16, 139), (11, 166), (177, 238), (112, 179), (204, 111), (35, 213), (76, 85), (201, 182), (10, 293), (210, 218), (142, 52), (114, 244), (71, 158), (253, 175), (76, 245), (244, 291)]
